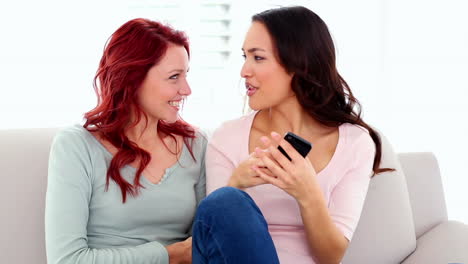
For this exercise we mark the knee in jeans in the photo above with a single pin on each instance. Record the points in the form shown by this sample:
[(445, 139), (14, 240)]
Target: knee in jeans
[(229, 194), (223, 199)]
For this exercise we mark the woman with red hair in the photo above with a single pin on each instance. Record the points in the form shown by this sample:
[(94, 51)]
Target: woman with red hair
[(124, 187)]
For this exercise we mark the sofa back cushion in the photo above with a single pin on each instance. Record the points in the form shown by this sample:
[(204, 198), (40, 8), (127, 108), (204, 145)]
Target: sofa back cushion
[(23, 164), (385, 233), (425, 190)]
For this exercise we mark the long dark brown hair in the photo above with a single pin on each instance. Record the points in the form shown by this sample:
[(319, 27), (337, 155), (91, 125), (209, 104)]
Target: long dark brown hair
[(305, 47), (131, 51)]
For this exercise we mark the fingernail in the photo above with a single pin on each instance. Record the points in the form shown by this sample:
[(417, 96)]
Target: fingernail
[(274, 134), (264, 139)]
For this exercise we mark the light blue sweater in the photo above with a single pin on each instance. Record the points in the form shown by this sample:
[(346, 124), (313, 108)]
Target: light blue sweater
[(86, 224)]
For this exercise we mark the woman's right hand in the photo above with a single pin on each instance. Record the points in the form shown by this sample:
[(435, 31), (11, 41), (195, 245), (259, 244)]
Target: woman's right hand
[(244, 176), (180, 252)]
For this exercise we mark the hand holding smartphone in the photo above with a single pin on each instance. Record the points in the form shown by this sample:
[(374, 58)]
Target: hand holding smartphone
[(301, 145)]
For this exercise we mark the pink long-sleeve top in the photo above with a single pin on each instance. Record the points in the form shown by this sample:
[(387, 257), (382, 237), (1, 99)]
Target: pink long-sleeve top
[(344, 182)]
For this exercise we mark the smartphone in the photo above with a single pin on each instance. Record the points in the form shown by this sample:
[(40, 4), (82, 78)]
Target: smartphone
[(301, 145)]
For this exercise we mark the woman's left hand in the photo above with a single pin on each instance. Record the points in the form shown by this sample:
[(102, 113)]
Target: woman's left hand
[(296, 177)]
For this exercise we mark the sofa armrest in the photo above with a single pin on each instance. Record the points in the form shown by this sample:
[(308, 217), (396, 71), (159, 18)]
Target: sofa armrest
[(23, 164)]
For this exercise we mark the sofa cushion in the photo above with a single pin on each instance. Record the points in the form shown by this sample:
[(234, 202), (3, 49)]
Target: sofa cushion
[(385, 233), (445, 243), (424, 184)]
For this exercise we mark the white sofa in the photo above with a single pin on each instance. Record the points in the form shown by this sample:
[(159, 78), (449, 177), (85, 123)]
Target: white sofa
[(404, 218)]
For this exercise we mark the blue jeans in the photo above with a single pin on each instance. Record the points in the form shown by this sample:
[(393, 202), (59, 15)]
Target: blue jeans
[(229, 228)]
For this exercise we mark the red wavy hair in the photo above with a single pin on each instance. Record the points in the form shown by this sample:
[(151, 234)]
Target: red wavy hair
[(128, 55)]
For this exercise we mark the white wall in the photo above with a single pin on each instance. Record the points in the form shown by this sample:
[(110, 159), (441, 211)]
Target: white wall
[(406, 61)]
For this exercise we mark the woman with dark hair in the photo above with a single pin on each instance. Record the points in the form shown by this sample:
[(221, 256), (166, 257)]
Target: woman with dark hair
[(124, 187), (311, 205)]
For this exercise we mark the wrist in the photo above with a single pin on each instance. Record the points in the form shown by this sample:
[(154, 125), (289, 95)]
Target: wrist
[(310, 199), (234, 185), (233, 182)]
